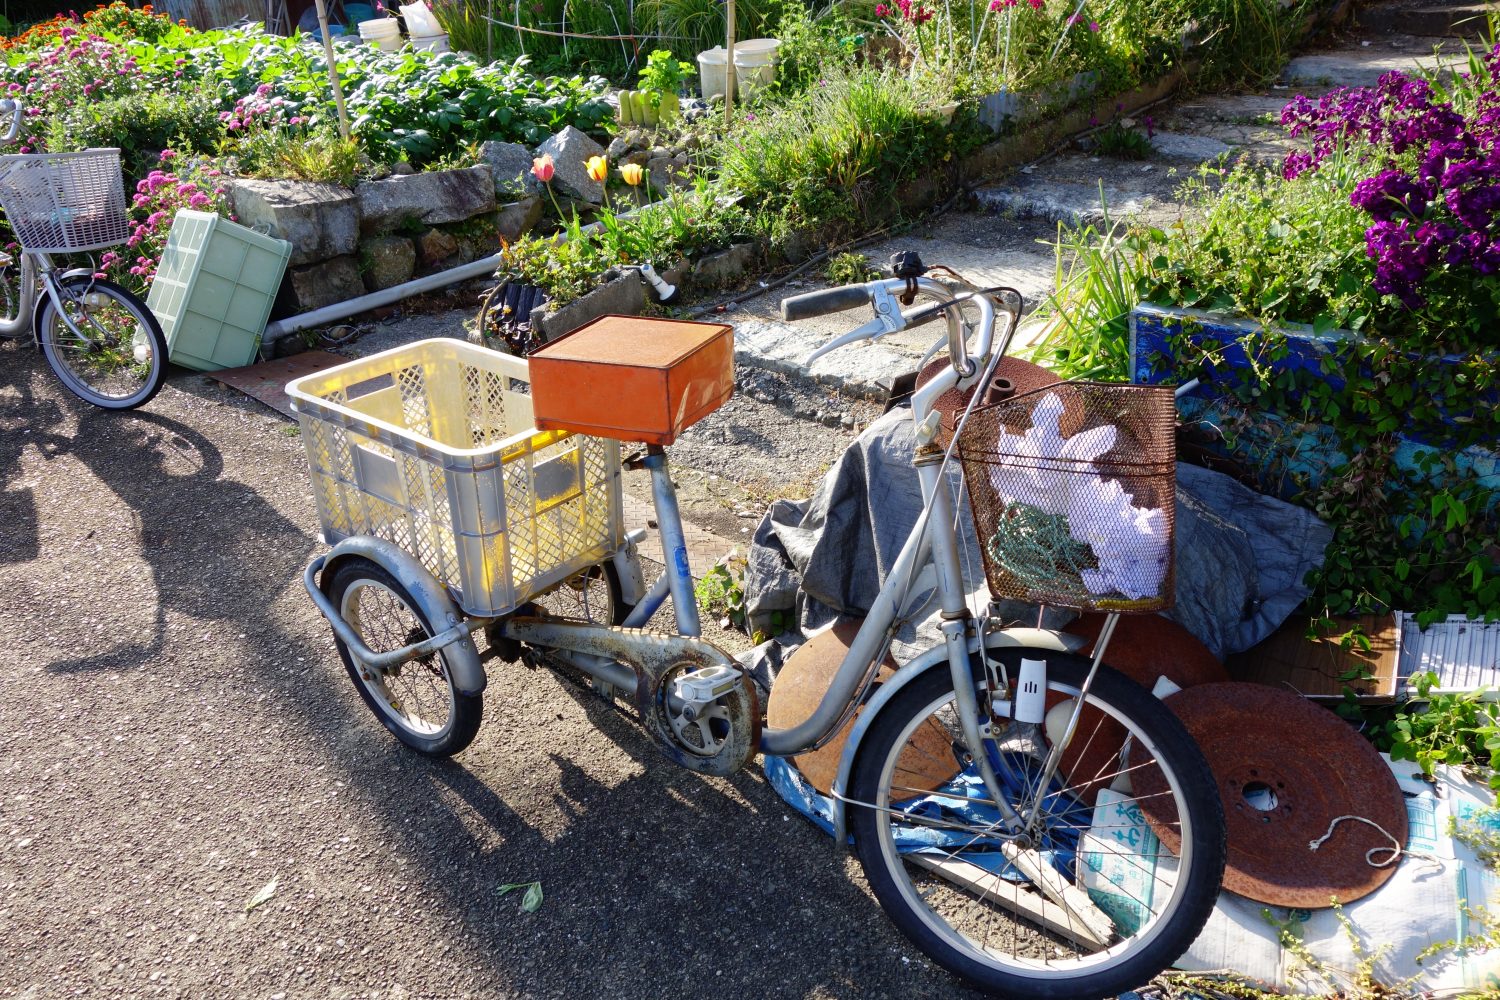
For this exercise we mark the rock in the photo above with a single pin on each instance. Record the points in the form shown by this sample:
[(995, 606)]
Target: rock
[(724, 267), (618, 147), (434, 197), (571, 150), (626, 295), (639, 157), (320, 220), (510, 165), (319, 285), (668, 172), (388, 261), (660, 153), (435, 246), (518, 218)]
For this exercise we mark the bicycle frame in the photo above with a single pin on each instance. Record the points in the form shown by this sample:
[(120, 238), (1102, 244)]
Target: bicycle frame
[(37, 269)]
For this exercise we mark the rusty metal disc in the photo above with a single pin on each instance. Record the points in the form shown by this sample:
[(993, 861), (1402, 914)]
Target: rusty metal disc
[(1286, 769)]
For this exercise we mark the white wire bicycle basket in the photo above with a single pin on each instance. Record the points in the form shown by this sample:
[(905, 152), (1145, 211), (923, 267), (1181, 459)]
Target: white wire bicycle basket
[(65, 202)]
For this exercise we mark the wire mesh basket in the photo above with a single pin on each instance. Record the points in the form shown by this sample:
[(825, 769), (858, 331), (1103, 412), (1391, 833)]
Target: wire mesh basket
[(432, 446), (65, 202), (1073, 492)]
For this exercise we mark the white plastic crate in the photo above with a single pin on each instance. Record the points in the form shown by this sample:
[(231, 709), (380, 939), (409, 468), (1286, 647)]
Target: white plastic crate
[(431, 447)]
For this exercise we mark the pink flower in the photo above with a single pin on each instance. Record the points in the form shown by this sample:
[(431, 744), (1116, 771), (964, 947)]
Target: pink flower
[(998, 5), (1094, 26), (199, 200), (881, 10)]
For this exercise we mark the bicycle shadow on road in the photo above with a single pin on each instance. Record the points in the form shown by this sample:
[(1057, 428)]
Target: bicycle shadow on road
[(198, 529)]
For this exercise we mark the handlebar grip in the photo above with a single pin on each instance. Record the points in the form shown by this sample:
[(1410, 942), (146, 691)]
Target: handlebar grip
[(824, 301)]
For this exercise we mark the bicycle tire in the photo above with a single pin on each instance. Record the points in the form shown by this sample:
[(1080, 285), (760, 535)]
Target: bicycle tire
[(1119, 965), (395, 620), (100, 372)]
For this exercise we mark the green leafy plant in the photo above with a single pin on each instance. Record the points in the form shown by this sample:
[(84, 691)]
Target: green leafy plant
[(318, 154), (664, 74), (140, 125), (1461, 730), (849, 269), (531, 899), (1122, 142), (1086, 317), (721, 591)]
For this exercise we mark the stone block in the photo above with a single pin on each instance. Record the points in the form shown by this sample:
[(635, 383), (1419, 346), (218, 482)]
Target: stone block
[(571, 150), (319, 285), (724, 267), (510, 166), (518, 218), (434, 247), (669, 171), (320, 220), (388, 261), (432, 198), (625, 296)]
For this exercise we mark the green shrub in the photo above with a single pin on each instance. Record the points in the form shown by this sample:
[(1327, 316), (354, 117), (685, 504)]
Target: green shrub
[(141, 124), (835, 156), (318, 154), (696, 25)]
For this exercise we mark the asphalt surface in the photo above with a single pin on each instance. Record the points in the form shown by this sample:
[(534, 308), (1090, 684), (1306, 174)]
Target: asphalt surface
[(179, 733)]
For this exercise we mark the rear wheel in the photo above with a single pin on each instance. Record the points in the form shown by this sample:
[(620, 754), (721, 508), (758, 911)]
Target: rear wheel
[(109, 350), (1118, 907), (418, 700)]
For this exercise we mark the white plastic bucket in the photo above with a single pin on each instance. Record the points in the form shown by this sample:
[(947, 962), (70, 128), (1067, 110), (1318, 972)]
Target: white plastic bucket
[(713, 66), (432, 43), (755, 62), (384, 33)]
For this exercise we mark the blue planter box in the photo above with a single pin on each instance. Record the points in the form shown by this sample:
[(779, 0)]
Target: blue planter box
[(1306, 451)]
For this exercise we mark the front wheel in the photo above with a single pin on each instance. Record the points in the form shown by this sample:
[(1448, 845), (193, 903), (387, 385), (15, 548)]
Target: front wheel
[(418, 700), (1117, 907), (106, 346)]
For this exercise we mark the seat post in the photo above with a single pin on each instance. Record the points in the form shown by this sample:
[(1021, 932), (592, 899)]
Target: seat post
[(673, 542)]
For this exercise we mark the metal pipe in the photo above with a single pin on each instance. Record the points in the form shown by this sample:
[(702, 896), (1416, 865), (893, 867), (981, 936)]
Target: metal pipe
[(364, 654), (616, 675), (374, 300), (649, 605), (673, 544)]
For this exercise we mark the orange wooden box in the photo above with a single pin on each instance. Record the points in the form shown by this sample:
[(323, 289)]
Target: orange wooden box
[(632, 378)]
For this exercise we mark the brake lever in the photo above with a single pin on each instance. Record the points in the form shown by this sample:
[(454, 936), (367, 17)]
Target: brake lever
[(888, 319)]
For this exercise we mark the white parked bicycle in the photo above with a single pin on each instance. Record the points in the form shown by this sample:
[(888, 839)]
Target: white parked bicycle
[(100, 339)]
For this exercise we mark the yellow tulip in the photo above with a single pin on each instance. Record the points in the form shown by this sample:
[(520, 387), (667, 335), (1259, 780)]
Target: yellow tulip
[(633, 174), (598, 168)]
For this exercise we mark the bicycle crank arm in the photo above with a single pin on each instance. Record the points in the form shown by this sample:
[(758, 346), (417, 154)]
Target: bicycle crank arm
[(379, 662), (694, 699)]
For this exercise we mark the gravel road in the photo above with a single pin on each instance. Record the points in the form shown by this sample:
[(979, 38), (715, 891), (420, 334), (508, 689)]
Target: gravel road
[(181, 735)]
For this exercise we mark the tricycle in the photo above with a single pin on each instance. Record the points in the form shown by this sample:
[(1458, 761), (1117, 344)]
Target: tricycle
[(992, 787)]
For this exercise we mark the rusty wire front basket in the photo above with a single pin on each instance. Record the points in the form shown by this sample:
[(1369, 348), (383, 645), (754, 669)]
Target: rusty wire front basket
[(1073, 491)]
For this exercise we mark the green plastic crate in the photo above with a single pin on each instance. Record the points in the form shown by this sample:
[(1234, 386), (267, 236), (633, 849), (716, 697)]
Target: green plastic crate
[(213, 290)]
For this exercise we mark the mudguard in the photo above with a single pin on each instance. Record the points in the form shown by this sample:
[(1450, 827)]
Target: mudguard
[(431, 599)]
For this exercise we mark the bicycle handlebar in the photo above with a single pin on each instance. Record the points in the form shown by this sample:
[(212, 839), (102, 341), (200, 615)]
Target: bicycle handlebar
[(890, 317), (824, 301), (12, 108)]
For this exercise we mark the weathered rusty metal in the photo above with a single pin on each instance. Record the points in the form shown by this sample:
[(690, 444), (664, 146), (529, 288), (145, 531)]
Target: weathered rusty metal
[(656, 658), (266, 381), (1286, 770)]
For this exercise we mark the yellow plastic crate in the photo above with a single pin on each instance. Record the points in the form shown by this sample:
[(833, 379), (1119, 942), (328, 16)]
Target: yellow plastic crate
[(432, 447)]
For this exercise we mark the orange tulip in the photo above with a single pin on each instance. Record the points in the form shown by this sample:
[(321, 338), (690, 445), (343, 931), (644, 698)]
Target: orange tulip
[(543, 168), (598, 168), (633, 174)]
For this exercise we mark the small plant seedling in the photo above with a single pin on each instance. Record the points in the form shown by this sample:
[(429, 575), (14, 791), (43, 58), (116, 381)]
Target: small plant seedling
[(531, 901), (1122, 142)]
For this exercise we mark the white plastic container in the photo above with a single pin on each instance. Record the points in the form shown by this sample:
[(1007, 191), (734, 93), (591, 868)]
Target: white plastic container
[(713, 67), (431, 43), (750, 73), (420, 22), (755, 63), (382, 32)]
